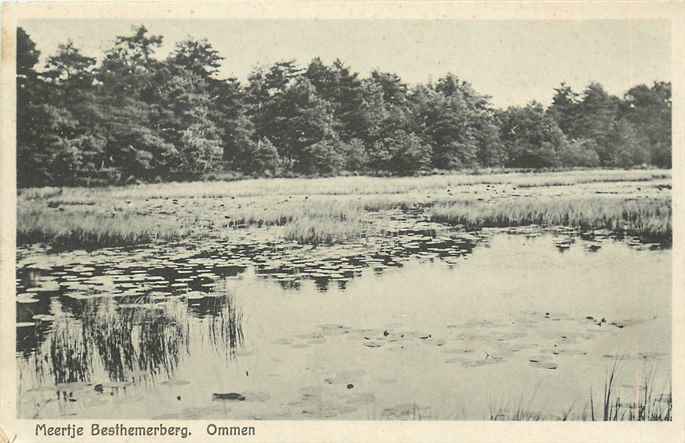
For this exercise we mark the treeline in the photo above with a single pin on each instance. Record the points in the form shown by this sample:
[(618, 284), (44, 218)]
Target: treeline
[(132, 116)]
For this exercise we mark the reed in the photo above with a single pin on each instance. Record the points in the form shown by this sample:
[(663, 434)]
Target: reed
[(647, 218), (646, 404), (81, 229)]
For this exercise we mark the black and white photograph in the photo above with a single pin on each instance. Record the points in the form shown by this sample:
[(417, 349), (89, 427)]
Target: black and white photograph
[(322, 219)]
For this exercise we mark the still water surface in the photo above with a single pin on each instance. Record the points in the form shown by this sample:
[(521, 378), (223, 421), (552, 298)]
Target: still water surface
[(495, 323)]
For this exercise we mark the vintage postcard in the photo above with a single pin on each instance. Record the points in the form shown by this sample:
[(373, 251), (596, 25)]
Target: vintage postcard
[(344, 221)]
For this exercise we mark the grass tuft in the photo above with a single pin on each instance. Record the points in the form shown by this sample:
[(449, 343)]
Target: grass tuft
[(76, 230)]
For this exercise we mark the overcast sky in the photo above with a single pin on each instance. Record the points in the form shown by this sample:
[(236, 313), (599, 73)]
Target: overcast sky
[(513, 61)]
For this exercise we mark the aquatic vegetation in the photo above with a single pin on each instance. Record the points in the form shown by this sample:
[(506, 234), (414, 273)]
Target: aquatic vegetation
[(334, 210), (644, 404), (288, 210), (343, 225), (356, 185), (648, 218), (83, 229)]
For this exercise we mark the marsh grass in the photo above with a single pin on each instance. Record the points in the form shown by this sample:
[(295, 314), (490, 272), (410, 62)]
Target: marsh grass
[(81, 229), (647, 218), (317, 231), (329, 210), (328, 222), (279, 213), (357, 185)]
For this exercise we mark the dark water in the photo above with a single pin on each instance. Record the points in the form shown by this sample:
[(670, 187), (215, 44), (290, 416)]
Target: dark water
[(423, 323)]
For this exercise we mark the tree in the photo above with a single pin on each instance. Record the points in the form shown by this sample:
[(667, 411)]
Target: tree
[(355, 155), (648, 109), (341, 87), (458, 123), (190, 117), (138, 117), (580, 152), (451, 133), (70, 69), (491, 150), (403, 153), (270, 109), (532, 137), (52, 147), (129, 67), (197, 56), (565, 110), (295, 118), (322, 157), (130, 106), (261, 157), (595, 119), (29, 118), (625, 146), (394, 90)]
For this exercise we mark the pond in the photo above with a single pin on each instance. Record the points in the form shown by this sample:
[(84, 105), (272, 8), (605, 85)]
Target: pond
[(423, 324)]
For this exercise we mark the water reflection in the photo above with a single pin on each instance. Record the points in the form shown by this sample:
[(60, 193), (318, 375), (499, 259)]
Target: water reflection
[(225, 325), (124, 340)]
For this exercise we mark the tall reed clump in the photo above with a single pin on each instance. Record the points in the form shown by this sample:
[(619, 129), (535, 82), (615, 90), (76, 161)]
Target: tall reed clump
[(647, 218), (328, 223), (278, 213), (324, 231), (80, 229)]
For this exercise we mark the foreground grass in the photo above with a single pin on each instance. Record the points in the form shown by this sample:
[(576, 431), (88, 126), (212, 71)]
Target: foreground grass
[(647, 218), (644, 405)]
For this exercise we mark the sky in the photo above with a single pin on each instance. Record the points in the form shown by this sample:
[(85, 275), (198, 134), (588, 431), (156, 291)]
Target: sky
[(513, 61)]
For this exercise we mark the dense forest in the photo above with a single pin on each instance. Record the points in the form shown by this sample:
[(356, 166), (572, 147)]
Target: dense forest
[(134, 117)]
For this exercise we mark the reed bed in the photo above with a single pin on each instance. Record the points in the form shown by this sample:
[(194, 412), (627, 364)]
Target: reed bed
[(278, 213), (647, 218), (80, 229), (318, 231), (333, 210)]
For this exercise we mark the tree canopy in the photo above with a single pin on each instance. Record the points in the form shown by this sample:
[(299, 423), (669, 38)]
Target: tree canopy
[(133, 116)]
